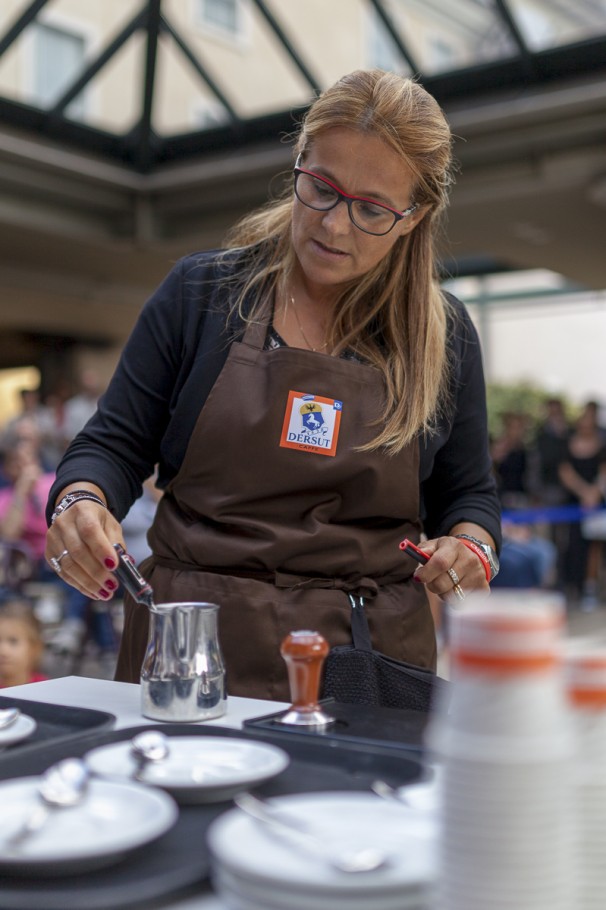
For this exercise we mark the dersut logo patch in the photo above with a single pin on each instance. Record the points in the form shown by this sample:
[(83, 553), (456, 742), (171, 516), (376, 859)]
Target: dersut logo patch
[(311, 423)]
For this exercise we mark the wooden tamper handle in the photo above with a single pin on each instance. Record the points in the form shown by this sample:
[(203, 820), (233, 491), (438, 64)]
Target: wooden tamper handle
[(304, 653)]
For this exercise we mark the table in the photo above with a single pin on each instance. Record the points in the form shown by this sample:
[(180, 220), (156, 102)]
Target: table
[(122, 700)]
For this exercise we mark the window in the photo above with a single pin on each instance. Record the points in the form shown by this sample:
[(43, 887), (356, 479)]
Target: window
[(58, 58), (441, 54), (381, 50), (221, 14), (209, 114)]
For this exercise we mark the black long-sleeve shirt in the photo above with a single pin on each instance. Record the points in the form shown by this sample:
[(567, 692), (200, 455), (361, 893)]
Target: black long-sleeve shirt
[(170, 363)]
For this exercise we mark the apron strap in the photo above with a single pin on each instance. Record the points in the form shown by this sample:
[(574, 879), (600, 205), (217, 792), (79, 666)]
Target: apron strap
[(360, 632)]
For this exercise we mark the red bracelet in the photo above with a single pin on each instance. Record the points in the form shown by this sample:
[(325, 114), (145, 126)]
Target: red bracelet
[(480, 554)]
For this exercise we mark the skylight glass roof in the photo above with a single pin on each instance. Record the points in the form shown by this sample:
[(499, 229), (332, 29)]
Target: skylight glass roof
[(149, 81)]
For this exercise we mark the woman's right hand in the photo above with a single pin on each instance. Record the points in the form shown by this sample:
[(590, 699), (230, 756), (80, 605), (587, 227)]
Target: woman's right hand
[(87, 531)]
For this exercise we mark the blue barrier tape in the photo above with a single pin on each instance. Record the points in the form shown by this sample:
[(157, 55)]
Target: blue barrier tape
[(550, 514)]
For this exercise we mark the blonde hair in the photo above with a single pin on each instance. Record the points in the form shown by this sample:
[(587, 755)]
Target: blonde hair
[(395, 317)]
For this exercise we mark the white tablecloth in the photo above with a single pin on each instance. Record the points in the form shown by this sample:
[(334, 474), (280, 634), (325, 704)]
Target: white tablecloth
[(122, 700)]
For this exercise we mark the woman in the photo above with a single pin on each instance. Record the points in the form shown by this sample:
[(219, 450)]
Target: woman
[(583, 475), (311, 398)]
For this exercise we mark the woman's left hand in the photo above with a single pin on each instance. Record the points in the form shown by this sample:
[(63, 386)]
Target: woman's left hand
[(453, 570)]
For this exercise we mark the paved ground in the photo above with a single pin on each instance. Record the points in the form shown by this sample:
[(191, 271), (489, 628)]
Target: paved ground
[(588, 623)]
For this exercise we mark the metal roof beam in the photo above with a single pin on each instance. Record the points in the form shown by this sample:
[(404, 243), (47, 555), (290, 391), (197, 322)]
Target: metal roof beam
[(144, 132), (21, 22), (99, 62), (526, 58), (395, 35), (288, 46), (201, 71)]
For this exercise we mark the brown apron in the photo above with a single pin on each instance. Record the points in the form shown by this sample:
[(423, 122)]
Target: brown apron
[(275, 517)]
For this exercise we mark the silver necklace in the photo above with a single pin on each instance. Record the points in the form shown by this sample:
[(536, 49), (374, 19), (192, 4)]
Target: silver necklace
[(303, 335)]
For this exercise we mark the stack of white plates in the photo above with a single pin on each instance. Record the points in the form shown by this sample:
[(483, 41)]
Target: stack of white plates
[(506, 840), (586, 678), (254, 868), (506, 830), (591, 812)]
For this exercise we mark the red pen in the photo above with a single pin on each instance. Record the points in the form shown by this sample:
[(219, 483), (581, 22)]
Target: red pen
[(412, 550)]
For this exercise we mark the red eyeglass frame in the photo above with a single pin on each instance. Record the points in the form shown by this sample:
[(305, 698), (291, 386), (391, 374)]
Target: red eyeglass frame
[(349, 199)]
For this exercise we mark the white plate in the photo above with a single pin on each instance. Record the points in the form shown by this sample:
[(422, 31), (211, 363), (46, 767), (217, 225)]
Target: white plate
[(113, 820), (255, 853), (23, 727), (240, 894), (198, 769)]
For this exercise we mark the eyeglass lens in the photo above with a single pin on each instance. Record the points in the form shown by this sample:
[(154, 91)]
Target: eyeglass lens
[(368, 216)]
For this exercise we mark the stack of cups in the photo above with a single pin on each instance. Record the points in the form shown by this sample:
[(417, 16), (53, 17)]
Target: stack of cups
[(586, 680), (506, 750)]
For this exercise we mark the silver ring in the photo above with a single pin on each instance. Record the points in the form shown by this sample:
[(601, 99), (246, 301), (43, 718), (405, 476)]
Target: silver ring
[(459, 592), (454, 577), (55, 561)]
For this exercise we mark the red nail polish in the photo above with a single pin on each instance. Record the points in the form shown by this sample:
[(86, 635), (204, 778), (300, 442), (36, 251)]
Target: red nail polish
[(103, 593), (109, 562), (109, 583)]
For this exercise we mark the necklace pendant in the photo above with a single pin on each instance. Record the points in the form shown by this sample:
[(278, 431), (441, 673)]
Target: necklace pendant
[(302, 332)]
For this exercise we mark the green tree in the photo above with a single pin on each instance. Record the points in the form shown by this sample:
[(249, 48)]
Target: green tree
[(519, 398)]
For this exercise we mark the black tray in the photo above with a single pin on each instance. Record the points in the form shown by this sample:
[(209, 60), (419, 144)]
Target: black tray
[(179, 863), (54, 724), (363, 724)]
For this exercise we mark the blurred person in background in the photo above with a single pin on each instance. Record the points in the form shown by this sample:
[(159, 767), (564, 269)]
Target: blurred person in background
[(21, 645), (595, 414), (23, 498), (36, 419), (509, 453), (22, 521), (527, 559), (78, 409), (311, 397), (549, 449), (139, 519), (583, 475)]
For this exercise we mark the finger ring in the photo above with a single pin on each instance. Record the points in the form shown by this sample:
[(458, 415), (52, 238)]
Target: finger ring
[(55, 561), (459, 592), (455, 578)]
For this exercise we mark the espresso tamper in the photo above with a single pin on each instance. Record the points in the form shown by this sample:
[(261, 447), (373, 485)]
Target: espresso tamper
[(304, 653)]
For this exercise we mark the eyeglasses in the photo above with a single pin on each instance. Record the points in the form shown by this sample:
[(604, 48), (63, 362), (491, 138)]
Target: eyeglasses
[(322, 195)]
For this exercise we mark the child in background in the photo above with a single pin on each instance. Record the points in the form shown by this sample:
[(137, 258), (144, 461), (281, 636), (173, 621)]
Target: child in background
[(21, 645)]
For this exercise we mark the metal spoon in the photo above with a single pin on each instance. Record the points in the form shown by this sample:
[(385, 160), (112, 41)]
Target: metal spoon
[(385, 791), (366, 859), (145, 748), (422, 796), (8, 716), (62, 786)]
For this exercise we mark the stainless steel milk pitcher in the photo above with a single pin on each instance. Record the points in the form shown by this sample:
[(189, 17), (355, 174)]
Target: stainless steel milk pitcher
[(183, 675)]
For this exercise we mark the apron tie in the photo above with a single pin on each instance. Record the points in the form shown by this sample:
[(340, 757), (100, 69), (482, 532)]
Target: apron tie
[(359, 585)]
